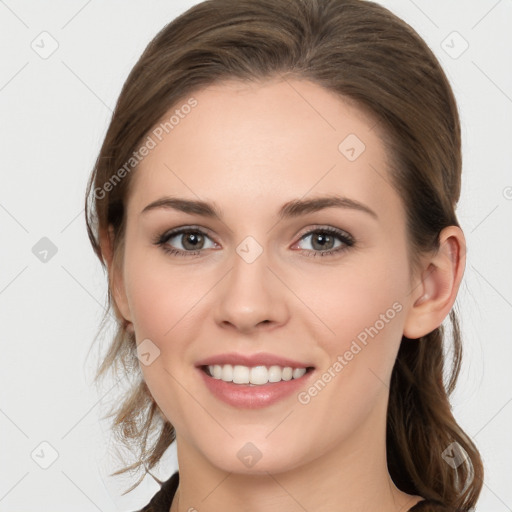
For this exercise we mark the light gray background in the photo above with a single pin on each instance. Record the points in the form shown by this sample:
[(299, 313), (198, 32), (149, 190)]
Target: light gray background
[(54, 114)]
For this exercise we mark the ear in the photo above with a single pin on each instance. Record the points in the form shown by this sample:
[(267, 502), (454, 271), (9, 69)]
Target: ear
[(115, 274), (435, 293)]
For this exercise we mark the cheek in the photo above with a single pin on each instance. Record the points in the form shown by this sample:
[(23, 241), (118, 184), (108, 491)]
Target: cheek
[(164, 305), (362, 310), (163, 297)]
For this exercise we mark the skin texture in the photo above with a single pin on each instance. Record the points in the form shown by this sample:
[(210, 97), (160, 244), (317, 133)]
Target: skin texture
[(250, 148)]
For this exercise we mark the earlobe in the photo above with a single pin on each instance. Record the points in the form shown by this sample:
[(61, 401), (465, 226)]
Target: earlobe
[(435, 293), (116, 280)]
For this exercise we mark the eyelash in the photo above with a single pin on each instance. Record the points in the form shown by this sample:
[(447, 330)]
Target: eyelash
[(344, 237)]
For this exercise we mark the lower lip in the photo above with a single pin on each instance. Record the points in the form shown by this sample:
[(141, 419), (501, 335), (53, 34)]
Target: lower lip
[(255, 396)]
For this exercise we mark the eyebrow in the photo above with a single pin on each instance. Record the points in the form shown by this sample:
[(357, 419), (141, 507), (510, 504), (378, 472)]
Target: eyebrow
[(294, 208)]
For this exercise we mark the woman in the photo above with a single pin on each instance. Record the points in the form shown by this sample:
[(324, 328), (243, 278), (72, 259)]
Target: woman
[(274, 202)]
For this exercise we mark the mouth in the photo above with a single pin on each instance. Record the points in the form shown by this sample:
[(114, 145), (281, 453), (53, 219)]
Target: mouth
[(254, 387), (254, 375)]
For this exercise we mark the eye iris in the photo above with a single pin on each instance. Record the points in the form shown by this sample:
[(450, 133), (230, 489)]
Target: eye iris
[(324, 240), (196, 239)]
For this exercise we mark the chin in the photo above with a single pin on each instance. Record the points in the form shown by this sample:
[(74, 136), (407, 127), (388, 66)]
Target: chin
[(248, 459)]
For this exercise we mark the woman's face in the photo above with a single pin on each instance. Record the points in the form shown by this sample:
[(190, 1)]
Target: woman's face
[(254, 281)]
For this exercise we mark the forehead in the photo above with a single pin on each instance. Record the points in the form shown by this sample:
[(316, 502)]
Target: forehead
[(261, 144)]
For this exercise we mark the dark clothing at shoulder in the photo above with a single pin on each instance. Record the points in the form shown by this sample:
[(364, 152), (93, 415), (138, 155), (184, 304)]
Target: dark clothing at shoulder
[(161, 501)]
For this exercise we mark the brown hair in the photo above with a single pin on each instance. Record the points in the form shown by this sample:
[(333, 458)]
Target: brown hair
[(361, 51)]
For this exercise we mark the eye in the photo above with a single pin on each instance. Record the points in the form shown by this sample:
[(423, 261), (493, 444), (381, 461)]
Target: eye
[(324, 241), (190, 241)]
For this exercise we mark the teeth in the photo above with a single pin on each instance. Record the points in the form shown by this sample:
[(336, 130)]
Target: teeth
[(256, 375)]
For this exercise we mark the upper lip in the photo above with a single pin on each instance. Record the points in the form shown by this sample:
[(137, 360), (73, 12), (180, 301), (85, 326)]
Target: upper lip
[(259, 359)]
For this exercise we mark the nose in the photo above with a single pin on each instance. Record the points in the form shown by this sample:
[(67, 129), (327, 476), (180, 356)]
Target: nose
[(251, 298)]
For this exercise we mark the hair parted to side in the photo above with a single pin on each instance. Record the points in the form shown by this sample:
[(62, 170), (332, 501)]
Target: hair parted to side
[(364, 53)]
